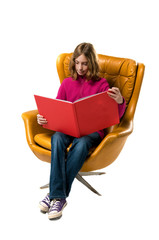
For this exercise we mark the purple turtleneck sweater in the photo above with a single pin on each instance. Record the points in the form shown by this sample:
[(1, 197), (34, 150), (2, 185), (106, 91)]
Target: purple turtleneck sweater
[(72, 90)]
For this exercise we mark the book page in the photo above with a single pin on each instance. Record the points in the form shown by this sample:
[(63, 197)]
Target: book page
[(80, 99)]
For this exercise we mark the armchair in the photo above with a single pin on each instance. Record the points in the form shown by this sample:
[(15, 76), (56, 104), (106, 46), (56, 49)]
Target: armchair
[(120, 72)]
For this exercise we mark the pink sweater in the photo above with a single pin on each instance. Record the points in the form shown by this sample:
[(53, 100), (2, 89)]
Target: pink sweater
[(71, 90)]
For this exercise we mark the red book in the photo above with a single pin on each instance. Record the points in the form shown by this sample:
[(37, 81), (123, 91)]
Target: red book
[(80, 118)]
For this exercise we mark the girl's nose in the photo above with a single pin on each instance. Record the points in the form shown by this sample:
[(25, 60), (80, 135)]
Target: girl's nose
[(80, 66)]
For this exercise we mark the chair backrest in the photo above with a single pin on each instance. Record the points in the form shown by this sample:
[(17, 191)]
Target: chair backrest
[(119, 72)]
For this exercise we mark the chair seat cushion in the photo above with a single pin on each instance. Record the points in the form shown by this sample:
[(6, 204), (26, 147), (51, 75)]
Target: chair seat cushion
[(44, 140)]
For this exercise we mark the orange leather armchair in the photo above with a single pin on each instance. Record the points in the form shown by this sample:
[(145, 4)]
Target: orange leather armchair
[(120, 72)]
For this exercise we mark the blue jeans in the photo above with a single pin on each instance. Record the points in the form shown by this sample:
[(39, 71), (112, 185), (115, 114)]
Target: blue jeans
[(64, 167)]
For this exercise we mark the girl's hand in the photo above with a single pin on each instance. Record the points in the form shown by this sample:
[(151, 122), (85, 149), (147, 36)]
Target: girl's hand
[(115, 93), (41, 120)]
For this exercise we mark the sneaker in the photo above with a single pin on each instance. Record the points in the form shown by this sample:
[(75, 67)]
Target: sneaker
[(44, 205), (56, 207)]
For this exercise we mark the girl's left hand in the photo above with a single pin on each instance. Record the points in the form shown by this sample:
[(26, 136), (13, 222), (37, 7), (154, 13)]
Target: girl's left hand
[(115, 93)]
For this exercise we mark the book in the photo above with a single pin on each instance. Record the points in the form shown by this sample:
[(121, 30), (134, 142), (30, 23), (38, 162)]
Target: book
[(80, 118)]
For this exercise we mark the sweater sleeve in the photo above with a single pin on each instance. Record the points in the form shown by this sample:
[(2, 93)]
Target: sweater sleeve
[(61, 92), (121, 107)]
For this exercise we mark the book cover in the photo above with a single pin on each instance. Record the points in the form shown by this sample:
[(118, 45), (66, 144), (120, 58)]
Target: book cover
[(80, 118)]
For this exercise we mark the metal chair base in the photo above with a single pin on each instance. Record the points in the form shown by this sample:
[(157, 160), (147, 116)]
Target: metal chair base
[(83, 181)]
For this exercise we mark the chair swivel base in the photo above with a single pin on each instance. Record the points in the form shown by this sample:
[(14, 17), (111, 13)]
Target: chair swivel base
[(83, 181)]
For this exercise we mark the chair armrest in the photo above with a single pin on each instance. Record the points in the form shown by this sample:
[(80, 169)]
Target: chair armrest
[(124, 129), (32, 127), (109, 148), (117, 137)]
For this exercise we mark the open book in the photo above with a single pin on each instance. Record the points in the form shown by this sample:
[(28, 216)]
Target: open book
[(80, 118)]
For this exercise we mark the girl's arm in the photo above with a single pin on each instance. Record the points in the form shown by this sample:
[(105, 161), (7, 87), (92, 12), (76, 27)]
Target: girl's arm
[(115, 93), (61, 92)]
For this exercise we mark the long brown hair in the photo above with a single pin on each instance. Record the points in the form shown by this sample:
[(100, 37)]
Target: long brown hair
[(93, 68)]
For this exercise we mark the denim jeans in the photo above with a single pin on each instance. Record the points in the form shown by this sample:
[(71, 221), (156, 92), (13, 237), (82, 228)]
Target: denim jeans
[(64, 167)]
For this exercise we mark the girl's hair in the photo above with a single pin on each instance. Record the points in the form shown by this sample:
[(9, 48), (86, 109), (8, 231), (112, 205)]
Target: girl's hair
[(93, 68)]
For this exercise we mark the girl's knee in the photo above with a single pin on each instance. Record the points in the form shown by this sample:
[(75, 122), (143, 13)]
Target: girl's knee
[(56, 137), (81, 143)]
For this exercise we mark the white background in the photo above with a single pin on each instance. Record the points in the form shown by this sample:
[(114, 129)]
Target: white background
[(33, 33)]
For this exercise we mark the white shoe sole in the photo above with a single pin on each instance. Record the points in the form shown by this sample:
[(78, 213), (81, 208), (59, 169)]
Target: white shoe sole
[(56, 215), (43, 209)]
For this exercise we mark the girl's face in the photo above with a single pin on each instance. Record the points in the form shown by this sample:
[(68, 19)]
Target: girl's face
[(81, 65)]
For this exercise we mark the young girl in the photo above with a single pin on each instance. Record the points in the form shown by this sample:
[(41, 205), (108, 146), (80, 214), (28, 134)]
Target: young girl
[(84, 81)]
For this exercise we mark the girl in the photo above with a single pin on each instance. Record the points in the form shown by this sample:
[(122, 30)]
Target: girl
[(84, 81)]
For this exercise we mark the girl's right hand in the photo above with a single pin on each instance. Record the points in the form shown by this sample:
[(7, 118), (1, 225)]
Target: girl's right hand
[(41, 120)]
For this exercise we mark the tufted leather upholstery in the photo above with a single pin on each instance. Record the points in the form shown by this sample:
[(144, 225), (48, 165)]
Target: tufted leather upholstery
[(120, 72)]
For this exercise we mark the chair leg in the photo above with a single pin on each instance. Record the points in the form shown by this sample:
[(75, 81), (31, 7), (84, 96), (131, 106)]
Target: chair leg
[(45, 186), (82, 180), (91, 173)]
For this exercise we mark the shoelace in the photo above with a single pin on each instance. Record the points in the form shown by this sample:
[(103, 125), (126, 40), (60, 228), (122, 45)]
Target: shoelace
[(47, 199), (55, 205)]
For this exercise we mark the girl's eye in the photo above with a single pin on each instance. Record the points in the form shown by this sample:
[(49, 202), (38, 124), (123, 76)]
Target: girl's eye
[(84, 63)]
